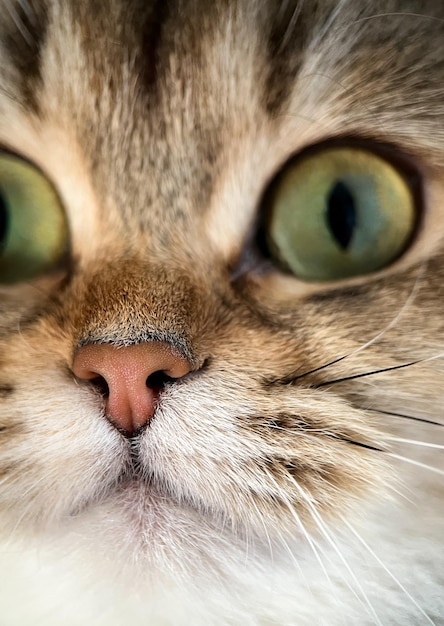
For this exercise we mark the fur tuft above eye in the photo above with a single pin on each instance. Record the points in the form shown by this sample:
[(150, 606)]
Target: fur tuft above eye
[(33, 228), (339, 211)]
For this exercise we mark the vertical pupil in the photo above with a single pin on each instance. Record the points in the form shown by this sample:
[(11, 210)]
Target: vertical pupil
[(3, 220), (341, 214)]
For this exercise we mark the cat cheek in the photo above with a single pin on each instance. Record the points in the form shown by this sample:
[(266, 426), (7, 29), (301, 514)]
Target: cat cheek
[(53, 448)]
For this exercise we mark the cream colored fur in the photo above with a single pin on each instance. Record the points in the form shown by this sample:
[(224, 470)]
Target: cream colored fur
[(251, 506)]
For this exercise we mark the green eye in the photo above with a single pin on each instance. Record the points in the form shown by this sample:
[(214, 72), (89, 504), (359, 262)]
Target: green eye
[(339, 212), (33, 228)]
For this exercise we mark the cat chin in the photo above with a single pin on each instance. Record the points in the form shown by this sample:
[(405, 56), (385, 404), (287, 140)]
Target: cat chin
[(141, 552), (104, 582), (127, 560), (147, 533), (140, 535)]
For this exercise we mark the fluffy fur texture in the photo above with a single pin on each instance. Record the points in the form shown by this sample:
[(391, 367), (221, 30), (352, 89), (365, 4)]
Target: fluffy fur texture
[(256, 496)]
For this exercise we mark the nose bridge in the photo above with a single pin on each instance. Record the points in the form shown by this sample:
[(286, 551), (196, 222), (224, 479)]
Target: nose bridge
[(125, 373), (133, 302), (137, 325)]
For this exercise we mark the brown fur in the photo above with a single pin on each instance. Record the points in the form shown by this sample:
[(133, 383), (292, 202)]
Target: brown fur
[(161, 126)]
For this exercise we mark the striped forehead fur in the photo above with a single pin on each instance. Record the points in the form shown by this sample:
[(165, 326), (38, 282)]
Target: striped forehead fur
[(276, 482)]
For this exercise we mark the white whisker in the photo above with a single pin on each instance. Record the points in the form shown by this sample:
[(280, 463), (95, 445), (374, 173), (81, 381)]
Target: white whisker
[(296, 562), (379, 335), (417, 463), (322, 527), (402, 495), (385, 568), (301, 526), (326, 28), (396, 14), (402, 310), (267, 534), (415, 442)]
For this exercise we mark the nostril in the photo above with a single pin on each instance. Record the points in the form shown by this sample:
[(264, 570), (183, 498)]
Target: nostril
[(157, 380), (101, 385), (130, 378)]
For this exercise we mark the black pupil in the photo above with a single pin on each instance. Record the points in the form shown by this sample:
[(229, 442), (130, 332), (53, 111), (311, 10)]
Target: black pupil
[(3, 220), (341, 214)]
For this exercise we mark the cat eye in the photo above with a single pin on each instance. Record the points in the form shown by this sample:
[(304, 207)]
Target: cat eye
[(338, 212), (33, 228)]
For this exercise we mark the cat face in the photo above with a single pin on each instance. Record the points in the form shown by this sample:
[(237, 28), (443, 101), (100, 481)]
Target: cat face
[(284, 405)]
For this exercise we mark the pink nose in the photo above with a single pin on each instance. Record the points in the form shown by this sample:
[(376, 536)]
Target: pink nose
[(131, 377)]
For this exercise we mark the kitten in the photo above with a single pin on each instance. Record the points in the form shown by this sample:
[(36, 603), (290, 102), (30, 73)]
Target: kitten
[(221, 328)]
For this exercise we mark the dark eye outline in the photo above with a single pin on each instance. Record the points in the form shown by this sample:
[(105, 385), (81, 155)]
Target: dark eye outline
[(65, 261), (257, 256)]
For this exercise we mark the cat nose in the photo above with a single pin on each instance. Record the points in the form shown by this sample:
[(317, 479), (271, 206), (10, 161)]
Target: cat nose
[(131, 377)]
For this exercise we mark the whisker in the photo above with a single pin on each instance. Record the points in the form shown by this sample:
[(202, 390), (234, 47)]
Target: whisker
[(397, 14), (404, 415), (322, 527), (290, 552), (385, 568), (335, 567), (24, 513), (267, 534), (386, 369), (296, 562), (310, 434), (371, 373), (415, 442), (326, 28), (360, 444), (300, 525), (313, 546), (298, 565), (294, 377), (417, 463), (402, 495)]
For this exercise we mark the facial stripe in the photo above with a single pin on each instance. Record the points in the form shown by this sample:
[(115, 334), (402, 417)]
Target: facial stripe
[(6, 390), (25, 29)]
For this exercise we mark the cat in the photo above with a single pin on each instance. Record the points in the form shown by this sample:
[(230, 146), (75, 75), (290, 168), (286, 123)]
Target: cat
[(221, 326)]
